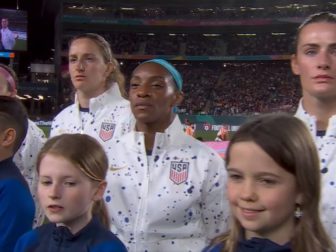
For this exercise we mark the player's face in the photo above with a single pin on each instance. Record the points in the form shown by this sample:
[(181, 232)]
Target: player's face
[(65, 193), (88, 70), (261, 193), (4, 23), (153, 95), (315, 60)]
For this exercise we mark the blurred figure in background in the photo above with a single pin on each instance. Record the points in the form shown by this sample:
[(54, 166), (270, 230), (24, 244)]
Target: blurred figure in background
[(8, 37), (223, 133), (189, 128)]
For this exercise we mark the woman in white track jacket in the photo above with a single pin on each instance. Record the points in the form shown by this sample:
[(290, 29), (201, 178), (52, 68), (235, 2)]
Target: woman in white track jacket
[(166, 190)]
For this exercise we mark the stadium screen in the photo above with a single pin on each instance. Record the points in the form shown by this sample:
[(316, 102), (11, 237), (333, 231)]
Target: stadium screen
[(13, 30)]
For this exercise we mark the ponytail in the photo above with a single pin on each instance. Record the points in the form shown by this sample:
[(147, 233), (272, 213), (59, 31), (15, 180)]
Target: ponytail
[(118, 77), (100, 211)]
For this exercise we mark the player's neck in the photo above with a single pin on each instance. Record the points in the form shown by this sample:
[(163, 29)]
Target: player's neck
[(322, 109)]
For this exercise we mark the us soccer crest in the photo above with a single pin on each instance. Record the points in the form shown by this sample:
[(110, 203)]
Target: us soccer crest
[(106, 131), (179, 172)]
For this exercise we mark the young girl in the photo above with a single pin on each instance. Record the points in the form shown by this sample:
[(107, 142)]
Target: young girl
[(273, 189), (72, 171)]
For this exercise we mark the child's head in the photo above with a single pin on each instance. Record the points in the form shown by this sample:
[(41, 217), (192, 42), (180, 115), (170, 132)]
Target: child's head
[(13, 125), (8, 81), (72, 170), (274, 176)]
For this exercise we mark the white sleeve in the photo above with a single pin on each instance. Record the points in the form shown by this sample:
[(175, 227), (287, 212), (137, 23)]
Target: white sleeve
[(25, 159), (215, 206)]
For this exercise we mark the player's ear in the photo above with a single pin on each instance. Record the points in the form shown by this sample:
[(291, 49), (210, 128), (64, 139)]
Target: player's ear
[(295, 65), (179, 96)]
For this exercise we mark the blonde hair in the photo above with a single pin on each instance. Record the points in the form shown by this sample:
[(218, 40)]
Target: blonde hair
[(289, 143), (87, 155), (105, 49)]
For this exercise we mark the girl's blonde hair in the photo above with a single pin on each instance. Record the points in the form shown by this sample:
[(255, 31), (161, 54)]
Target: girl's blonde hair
[(85, 153), (289, 143)]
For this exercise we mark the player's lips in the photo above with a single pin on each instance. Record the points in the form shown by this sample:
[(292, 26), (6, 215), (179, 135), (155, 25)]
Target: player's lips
[(55, 208), (142, 105), (80, 77), (322, 76)]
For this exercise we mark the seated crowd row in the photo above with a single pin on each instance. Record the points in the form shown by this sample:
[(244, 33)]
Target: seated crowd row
[(197, 44)]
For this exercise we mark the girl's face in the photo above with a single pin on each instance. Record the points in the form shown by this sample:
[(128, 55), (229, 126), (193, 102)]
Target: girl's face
[(315, 60), (65, 193), (261, 193), (88, 70)]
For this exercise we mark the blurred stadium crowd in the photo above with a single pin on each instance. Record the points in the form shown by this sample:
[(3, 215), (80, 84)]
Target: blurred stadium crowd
[(234, 60)]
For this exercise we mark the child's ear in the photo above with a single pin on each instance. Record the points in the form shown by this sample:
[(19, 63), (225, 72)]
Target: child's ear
[(8, 137), (100, 191)]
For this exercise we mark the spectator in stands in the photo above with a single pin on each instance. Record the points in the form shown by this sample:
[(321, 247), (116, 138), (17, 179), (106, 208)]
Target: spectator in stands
[(314, 61), (8, 37), (99, 103), (16, 202), (165, 189), (25, 157)]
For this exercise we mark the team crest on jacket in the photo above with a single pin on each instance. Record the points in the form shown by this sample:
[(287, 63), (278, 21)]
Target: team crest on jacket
[(179, 172), (106, 131)]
